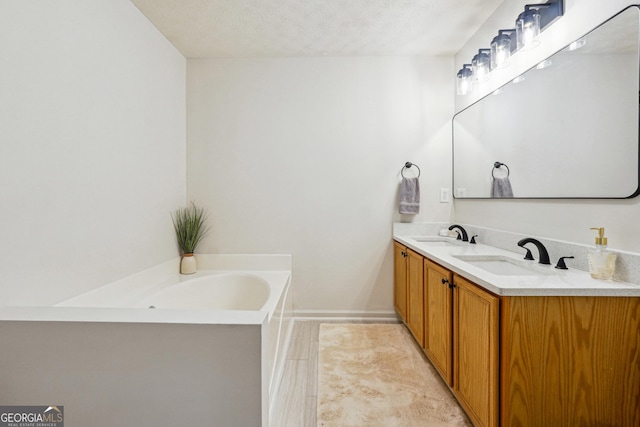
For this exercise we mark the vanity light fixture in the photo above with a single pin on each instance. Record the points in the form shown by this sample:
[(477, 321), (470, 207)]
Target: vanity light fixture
[(463, 82), (534, 19), (501, 47), (529, 24), (481, 65)]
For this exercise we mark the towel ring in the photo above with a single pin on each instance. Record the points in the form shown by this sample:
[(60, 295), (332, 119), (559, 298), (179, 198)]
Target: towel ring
[(497, 165), (407, 166)]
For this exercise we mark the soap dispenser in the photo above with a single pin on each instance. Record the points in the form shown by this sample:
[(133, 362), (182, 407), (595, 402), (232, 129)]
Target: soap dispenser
[(602, 263)]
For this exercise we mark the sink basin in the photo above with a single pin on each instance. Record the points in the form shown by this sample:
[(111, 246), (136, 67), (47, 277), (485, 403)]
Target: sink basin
[(435, 240), (505, 266)]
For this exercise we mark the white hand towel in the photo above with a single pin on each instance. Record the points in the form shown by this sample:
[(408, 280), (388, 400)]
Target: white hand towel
[(410, 196), (501, 188)]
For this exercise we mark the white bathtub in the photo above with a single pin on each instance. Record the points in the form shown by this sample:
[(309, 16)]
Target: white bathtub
[(211, 348), (221, 291)]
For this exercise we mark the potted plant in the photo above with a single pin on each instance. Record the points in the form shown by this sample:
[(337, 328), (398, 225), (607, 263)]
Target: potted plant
[(189, 223)]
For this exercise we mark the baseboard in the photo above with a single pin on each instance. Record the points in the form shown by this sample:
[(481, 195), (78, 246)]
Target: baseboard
[(345, 315)]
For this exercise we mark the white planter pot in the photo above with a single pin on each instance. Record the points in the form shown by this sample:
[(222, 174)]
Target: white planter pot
[(188, 264)]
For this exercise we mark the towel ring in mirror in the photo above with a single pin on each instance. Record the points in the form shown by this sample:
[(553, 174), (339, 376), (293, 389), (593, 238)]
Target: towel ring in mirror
[(497, 165)]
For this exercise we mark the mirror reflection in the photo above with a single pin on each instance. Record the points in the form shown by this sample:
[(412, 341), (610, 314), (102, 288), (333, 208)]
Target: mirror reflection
[(568, 129)]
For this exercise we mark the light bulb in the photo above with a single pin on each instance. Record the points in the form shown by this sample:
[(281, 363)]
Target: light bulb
[(500, 50), (464, 80), (481, 65), (527, 29), (577, 44)]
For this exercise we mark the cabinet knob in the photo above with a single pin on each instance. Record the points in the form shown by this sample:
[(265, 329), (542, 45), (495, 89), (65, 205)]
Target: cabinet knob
[(452, 285), (404, 254), (445, 281)]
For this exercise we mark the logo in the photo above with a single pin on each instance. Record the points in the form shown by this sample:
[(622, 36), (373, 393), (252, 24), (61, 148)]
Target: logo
[(32, 416)]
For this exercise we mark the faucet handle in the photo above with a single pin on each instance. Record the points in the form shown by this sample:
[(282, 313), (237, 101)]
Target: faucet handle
[(459, 234), (473, 239), (561, 265)]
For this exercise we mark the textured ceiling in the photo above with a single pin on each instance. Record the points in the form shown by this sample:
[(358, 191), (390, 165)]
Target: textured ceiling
[(269, 28)]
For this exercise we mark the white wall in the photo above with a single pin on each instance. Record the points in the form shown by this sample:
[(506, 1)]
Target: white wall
[(303, 156), (92, 152), (560, 219)]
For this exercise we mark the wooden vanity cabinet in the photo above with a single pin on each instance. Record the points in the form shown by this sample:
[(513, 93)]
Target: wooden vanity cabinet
[(438, 329), (524, 361), (476, 346), (400, 280)]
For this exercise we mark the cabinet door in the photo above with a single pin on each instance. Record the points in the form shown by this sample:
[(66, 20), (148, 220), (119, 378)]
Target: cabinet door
[(476, 351), (415, 310), (438, 329), (400, 280), (577, 358)]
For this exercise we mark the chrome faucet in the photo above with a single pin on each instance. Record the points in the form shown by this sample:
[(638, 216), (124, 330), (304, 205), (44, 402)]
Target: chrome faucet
[(544, 255), (465, 237)]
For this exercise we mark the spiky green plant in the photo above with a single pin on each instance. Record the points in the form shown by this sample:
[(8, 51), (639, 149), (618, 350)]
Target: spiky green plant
[(189, 224)]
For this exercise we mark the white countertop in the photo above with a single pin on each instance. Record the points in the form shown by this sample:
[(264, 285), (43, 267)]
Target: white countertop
[(550, 281)]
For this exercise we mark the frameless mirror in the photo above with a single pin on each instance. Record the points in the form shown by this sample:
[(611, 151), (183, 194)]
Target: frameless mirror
[(569, 130)]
